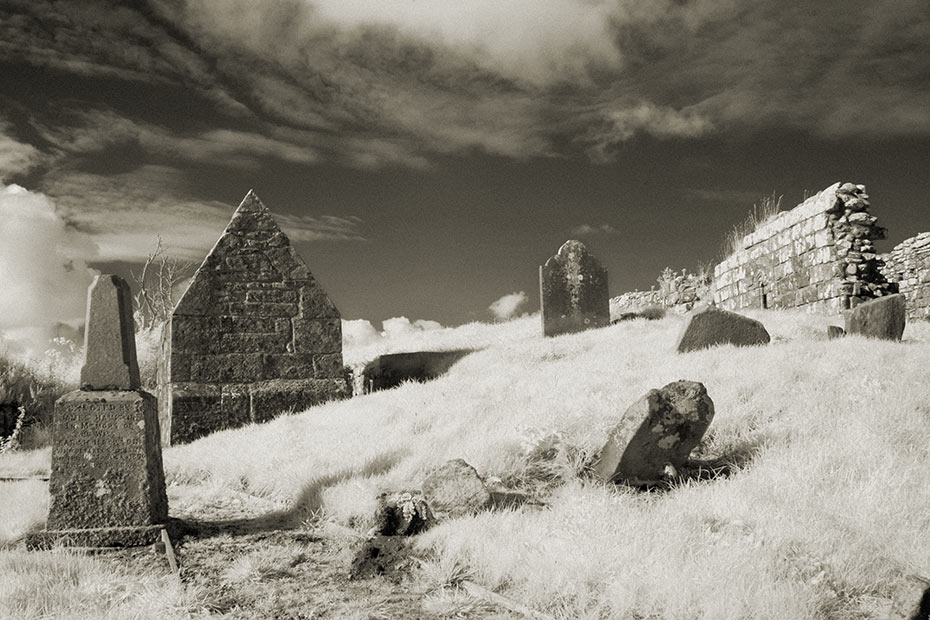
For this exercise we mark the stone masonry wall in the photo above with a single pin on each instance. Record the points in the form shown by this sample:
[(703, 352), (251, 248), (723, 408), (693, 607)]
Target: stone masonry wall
[(908, 264), (254, 335), (818, 255)]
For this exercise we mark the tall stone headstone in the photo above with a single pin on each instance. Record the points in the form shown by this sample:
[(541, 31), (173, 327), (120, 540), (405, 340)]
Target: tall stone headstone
[(254, 335), (109, 342), (107, 485), (573, 291)]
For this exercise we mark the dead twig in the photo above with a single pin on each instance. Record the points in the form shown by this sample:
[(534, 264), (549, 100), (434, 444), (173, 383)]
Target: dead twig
[(496, 599)]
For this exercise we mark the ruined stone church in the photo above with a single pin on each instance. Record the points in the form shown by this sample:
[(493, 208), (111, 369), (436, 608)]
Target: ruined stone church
[(253, 336)]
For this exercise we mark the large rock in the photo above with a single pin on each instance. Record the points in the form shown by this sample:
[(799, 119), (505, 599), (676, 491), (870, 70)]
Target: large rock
[(708, 326), (573, 291), (110, 348), (660, 429), (879, 318), (455, 490)]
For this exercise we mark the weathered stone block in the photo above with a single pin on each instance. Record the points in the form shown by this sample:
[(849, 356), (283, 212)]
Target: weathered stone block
[(272, 398), (708, 326), (315, 303), (226, 368), (276, 296), (109, 341), (317, 335), (107, 472), (660, 429), (573, 291), (455, 490), (289, 366), (879, 318), (198, 410)]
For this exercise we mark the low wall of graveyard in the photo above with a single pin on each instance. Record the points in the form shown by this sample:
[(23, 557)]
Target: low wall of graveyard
[(908, 264), (818, 256)]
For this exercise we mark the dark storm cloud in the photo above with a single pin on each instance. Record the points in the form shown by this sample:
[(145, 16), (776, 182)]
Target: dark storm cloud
[(380, 83)]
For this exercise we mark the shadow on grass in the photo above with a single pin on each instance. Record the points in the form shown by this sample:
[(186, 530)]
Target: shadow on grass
[(710, 468), (308, 505)]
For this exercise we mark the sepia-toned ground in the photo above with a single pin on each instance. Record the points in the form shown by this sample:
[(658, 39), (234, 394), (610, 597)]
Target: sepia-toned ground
[(818, 508)]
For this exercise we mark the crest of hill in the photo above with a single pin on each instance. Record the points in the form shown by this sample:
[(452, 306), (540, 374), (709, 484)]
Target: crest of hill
[(823, 515)]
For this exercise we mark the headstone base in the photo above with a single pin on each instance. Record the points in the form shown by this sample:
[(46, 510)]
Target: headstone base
[(130, 536), (107, 474)]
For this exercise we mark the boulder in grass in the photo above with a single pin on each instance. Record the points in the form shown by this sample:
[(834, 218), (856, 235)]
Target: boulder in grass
[(658, 431), (454, 490), (879, 318), (708, 326), (834, 332)]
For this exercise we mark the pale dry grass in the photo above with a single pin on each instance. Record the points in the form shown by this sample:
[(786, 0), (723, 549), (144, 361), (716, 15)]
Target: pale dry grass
[(824, 515), (24, 507), (63, 585)]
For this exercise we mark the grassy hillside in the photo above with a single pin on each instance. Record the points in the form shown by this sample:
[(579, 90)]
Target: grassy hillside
[(824, 514)]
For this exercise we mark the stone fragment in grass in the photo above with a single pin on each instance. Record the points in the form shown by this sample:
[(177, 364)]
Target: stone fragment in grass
[(454, 490), (660, 429), (709, 326), (401, 514), (835, 331), (879, 318)]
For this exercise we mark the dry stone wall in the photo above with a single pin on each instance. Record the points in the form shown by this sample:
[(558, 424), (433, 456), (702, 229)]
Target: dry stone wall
[(908, 264), (254, 335), (819, 255)]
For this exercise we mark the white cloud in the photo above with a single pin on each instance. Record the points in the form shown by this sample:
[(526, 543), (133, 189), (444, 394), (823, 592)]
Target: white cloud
[(587, 229), (43, 267), (507, 306), (359, 333)]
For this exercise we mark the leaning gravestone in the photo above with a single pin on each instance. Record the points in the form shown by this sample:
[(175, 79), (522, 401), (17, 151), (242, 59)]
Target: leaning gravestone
[(879, 318), (107, 484), (708, 326), (573, 291), (660, 429), (254, 335)]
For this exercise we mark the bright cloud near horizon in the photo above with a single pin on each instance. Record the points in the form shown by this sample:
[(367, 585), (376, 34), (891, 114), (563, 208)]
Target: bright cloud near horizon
[(424, 156)]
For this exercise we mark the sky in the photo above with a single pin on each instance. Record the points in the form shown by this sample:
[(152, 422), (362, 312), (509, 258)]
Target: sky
[(424, 156)]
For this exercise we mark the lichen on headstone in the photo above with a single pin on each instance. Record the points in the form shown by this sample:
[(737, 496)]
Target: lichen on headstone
[(573, 291)]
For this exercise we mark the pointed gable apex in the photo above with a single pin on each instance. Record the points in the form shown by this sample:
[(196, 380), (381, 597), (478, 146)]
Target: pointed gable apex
[(252, 248)]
